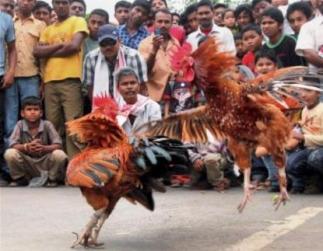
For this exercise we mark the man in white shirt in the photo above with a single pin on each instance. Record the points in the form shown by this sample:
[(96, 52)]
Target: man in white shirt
[(208, 28), (135, 109), (310, 42)]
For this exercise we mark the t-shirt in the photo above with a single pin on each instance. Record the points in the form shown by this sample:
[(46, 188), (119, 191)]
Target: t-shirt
[(89, 45), (285, 51), (7, 35), (249, 60), (60, 68)]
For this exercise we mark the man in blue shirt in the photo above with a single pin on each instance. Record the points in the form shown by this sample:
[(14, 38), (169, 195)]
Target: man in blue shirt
[(7, 43), (133, 32)]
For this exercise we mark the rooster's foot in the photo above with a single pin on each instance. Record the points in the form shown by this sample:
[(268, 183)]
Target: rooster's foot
[(282, 198), (248, 191)]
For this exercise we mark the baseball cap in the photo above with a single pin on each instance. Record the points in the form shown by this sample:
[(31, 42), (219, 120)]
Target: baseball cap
[(107, 31)]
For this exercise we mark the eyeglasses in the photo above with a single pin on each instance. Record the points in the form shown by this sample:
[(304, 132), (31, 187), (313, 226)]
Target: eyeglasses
[(108, 42)]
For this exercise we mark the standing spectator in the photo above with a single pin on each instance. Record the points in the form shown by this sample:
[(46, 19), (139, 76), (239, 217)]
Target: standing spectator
[(309, 158), (61, 46), (252, 42), (175, 17), (42, 11), (134, 31), (157, 5), (258, 7), (135, 109), (298, 14), (35, 146), (189, 20), (77, 8), (265, 62), (229, 20), (310, 42), (239, 46), (208, 28), (156, 51), (100, 64), (7, 43), (218, 10), (243, 15), (8, 6), (284, 46), (121, 11), (27, 80), (96, 19)]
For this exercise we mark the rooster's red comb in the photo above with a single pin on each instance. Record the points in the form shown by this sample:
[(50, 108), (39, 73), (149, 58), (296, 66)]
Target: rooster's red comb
[(106, 105)]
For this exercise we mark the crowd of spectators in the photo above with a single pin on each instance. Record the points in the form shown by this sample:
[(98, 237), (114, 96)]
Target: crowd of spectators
[(55, 58)]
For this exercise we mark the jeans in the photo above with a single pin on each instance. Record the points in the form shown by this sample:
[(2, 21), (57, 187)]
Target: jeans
[(1, 127), (20, 89), (272, 169), (302, 162)]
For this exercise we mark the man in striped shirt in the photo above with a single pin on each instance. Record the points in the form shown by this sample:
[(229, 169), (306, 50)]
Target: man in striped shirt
[(100, 64)]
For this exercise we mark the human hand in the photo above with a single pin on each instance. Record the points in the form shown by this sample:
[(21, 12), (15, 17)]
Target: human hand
[(198, 165), (7, 80), (157, 42)]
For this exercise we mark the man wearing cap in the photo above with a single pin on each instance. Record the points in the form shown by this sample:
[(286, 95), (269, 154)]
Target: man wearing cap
[(307, 157), (61, 46), (100, 64)]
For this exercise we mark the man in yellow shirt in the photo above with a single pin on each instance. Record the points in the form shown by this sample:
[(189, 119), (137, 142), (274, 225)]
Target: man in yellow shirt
[(28, 30), (61, 46)]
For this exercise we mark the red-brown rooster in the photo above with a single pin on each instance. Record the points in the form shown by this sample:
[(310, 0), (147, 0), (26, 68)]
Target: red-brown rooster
[(243, 113), (111, 167)]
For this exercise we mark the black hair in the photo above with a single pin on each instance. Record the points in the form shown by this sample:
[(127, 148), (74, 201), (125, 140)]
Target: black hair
[(101, 13), (79, 1), (303, 7), (165, 11), (31, 100), (255, 2), (42, 4), (267, 53), (251, 27), (190, 9), (122, 4), (274, 13), (237, 36), (226, 11), (176, 14), (204, 3), (165, 2), (219, 5), (142, 3), (244, 8)]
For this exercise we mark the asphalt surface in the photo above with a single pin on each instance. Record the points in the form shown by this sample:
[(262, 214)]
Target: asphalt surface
[(43, 219)]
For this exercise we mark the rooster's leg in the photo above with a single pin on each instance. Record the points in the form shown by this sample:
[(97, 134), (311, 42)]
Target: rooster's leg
[(283, 196), (247, 188), (85, 238)]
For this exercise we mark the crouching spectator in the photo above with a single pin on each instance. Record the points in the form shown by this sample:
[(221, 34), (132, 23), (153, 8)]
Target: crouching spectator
[(306, 158), (209, 163), (35, 148)]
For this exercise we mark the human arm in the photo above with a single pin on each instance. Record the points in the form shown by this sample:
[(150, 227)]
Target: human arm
[(43, 50), (313, 58), (8, 78), (72, 47)]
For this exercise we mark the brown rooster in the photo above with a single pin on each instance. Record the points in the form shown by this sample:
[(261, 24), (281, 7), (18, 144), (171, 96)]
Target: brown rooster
[(111, 167), (245, 114)]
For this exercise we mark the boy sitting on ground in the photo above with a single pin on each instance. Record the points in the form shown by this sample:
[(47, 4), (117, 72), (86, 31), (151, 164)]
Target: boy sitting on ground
[(35, 147)]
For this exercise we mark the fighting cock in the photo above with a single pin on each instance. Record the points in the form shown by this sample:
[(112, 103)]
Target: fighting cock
[(113, 166), (247, 115)]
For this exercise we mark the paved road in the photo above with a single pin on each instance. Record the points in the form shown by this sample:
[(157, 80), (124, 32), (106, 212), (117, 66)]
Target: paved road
[(44, 219)]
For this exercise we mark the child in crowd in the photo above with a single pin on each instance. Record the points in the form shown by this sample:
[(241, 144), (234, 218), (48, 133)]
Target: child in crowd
[(252, 42), (229, 20), (239, 46), (298, 14), (35, 148), (266, 61), (284, 46), (243, 15)]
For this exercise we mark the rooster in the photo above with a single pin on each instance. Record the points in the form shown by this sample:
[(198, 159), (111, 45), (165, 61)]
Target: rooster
[(247, 115), (113, 166)]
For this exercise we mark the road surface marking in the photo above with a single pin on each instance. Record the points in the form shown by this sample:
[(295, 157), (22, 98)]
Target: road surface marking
[(263, 238)]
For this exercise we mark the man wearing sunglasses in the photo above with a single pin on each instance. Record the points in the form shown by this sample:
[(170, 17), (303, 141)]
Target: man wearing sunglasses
[(101, 64)]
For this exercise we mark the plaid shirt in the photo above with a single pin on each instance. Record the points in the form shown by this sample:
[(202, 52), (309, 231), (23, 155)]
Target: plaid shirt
[(132, 58), (134, 40)]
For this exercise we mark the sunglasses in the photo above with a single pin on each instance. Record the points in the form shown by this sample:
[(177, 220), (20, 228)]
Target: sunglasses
[(108, 42)]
